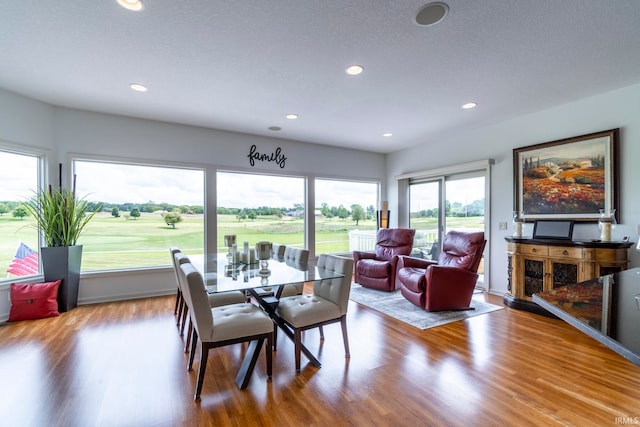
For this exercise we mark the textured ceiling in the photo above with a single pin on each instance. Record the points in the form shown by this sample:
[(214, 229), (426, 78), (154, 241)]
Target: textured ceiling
[(243, 65)]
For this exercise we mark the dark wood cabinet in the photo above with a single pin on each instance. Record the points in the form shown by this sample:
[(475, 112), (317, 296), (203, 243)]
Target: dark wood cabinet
[(537, 265)]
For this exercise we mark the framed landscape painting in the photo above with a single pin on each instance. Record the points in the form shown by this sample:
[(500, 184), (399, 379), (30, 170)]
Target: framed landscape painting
[(571, 178)]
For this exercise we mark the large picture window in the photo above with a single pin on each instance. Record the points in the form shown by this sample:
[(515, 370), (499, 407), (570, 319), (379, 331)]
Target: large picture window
[(258, 207), (147, 208), (343, 207), (18, 232)]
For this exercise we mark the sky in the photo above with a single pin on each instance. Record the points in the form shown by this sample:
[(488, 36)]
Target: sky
[(105, 182)]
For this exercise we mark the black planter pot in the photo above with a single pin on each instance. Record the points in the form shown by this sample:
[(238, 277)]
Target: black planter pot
[(63, 262)]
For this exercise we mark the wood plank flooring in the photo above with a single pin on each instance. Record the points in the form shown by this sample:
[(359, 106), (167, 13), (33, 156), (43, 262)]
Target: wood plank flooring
[(123, 364)]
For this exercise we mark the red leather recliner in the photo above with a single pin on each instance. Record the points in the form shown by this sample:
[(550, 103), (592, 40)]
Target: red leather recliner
[(377, 269), (447, 284)]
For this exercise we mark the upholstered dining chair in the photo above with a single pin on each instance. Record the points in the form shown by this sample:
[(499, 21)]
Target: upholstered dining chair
[(377, 270), (180, 303), (449, 282), (328, 304), (298, 258), (215, 300), (222, 326), (277, 251)]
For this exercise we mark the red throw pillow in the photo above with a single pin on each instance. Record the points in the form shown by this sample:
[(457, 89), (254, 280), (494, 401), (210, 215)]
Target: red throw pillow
[(34, 300)]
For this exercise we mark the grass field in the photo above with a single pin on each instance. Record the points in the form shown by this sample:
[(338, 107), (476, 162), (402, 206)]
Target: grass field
[(117, 243)]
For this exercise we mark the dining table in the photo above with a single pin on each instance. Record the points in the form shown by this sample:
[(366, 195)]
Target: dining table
[(264, 280)]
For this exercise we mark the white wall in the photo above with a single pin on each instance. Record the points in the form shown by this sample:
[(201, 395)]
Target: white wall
[(616, 109), (63, 131)]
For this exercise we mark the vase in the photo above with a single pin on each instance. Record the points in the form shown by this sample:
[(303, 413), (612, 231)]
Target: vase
[(606, 223), (63, 262), (517, 224)]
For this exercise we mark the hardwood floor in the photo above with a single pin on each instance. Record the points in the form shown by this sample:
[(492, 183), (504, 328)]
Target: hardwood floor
[(123, 364)]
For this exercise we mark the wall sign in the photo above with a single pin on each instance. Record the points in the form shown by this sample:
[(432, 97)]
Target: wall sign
[(276, 157)]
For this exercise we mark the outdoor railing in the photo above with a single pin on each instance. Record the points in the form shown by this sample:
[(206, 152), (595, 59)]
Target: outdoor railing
[(365, 240)]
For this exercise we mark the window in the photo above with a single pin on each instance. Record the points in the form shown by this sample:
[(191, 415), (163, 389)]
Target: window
[(258, 207), (18, 182), (133, 229), (438, 204), (343, 207)]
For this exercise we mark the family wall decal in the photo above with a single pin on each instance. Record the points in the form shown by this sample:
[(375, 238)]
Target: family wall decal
[(276, 157)]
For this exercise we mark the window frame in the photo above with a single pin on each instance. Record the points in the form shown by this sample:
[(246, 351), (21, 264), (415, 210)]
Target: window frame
[(42, 157), (130, 161)]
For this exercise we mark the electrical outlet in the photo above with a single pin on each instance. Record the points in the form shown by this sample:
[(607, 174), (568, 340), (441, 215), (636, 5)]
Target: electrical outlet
[(503, 226)]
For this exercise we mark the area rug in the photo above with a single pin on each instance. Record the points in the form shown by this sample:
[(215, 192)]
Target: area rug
[(395, 305)]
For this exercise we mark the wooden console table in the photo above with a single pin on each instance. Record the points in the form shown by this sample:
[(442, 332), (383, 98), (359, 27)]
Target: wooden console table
[(537, 265)]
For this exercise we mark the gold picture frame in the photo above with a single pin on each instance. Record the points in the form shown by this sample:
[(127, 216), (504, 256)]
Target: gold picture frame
[(571, 178)]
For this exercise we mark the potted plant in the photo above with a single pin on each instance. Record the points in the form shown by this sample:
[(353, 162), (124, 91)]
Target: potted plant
[(62, 217)]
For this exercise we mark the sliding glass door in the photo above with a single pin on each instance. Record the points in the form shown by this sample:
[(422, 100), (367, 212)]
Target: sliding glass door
[(438, 205)]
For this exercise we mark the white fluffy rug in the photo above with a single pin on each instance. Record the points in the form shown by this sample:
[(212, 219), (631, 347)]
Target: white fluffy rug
[(395, 305)]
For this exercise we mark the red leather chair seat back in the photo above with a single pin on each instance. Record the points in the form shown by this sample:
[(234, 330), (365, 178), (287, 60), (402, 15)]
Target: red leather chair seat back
[(394, 241), (462, 250)]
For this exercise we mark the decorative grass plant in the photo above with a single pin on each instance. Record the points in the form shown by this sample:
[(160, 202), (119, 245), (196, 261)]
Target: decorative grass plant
[(60, 215)]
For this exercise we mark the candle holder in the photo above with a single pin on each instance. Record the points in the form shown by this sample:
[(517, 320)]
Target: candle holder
[(382, 219), (518, 220), (606, 223), (229, 241), (263, 250)]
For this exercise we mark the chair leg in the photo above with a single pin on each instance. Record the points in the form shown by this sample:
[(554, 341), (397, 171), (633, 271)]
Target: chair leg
[(194, 341), (297, 340), (188, 340), (184, 319), (269, 355), (178, 299), (181, 307), (321, 333), (204, 356), (345, 338), (275, 337)]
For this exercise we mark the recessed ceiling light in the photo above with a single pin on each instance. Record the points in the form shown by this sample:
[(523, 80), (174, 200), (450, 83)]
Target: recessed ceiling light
[(138, 87), (291, 116), (135, 5), (469, 105), (432, 13), (354, 70), (387, 134), (274, 128)]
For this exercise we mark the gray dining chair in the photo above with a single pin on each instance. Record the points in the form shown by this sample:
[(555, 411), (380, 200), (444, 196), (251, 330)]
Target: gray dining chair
[(222, 326), (328, 303), (217, 299), (298, 258), (180, 304), (277, 251)]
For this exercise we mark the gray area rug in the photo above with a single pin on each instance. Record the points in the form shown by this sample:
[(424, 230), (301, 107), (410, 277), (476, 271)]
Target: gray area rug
[(395, 305)]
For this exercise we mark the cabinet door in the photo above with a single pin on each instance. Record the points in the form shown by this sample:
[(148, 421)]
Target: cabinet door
[(563, 272), (533, 274)]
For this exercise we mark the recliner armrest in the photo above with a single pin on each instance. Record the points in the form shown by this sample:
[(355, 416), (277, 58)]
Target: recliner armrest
[(407, 261), (450, 276), (358, 255)]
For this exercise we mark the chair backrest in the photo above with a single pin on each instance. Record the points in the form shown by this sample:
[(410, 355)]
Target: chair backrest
[(335, 290), (174, 250), (394, 241), (277, 250), (196, 297), (462, 249), (296, 256)]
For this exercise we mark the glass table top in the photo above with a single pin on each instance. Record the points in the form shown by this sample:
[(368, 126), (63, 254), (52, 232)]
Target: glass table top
[(220, 275), (607, 309)]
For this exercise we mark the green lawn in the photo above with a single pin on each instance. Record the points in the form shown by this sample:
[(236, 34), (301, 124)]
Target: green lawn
[(113, 243)]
